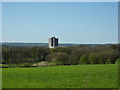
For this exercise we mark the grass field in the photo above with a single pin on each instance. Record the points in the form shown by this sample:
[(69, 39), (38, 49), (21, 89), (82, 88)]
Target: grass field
[(76, 76)]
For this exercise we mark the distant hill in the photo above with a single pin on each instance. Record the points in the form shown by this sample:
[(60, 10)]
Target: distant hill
[(34, 44), (24, 44), (12, 44)]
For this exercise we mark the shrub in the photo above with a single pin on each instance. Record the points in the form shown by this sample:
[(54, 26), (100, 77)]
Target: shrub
[(84, 59), (59, 58)]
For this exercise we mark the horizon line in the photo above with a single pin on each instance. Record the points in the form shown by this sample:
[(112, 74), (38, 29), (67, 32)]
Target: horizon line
[(59, 42)]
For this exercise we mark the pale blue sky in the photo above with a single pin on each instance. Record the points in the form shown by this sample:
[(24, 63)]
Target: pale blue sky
[(77, 22), (0, 21)]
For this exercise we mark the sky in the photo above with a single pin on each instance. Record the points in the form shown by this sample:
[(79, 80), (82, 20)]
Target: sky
[(0, 21), (71, 22)]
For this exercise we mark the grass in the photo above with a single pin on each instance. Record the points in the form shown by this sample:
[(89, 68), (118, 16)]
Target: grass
[(76, 76)]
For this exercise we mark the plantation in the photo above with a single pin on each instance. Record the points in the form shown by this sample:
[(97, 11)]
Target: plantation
[(73, 76)]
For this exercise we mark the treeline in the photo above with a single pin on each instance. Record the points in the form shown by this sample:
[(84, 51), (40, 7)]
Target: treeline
[(74, 55)]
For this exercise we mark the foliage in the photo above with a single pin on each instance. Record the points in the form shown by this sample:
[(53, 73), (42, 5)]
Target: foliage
[(17, 55), (84, 59), (72, 55), (59, 58), (93, 58)]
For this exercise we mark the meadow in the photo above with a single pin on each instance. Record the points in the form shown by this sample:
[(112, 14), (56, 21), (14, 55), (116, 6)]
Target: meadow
[(74, 76)]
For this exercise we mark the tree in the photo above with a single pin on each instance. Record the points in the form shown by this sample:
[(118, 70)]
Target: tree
[(61, 49), (93, 58), (113, 56), (59, 58), (114, 46), (84, 59), (5, 55), (76, 55)]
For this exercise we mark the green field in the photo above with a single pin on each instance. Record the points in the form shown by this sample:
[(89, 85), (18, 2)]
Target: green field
[(76, 76)]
